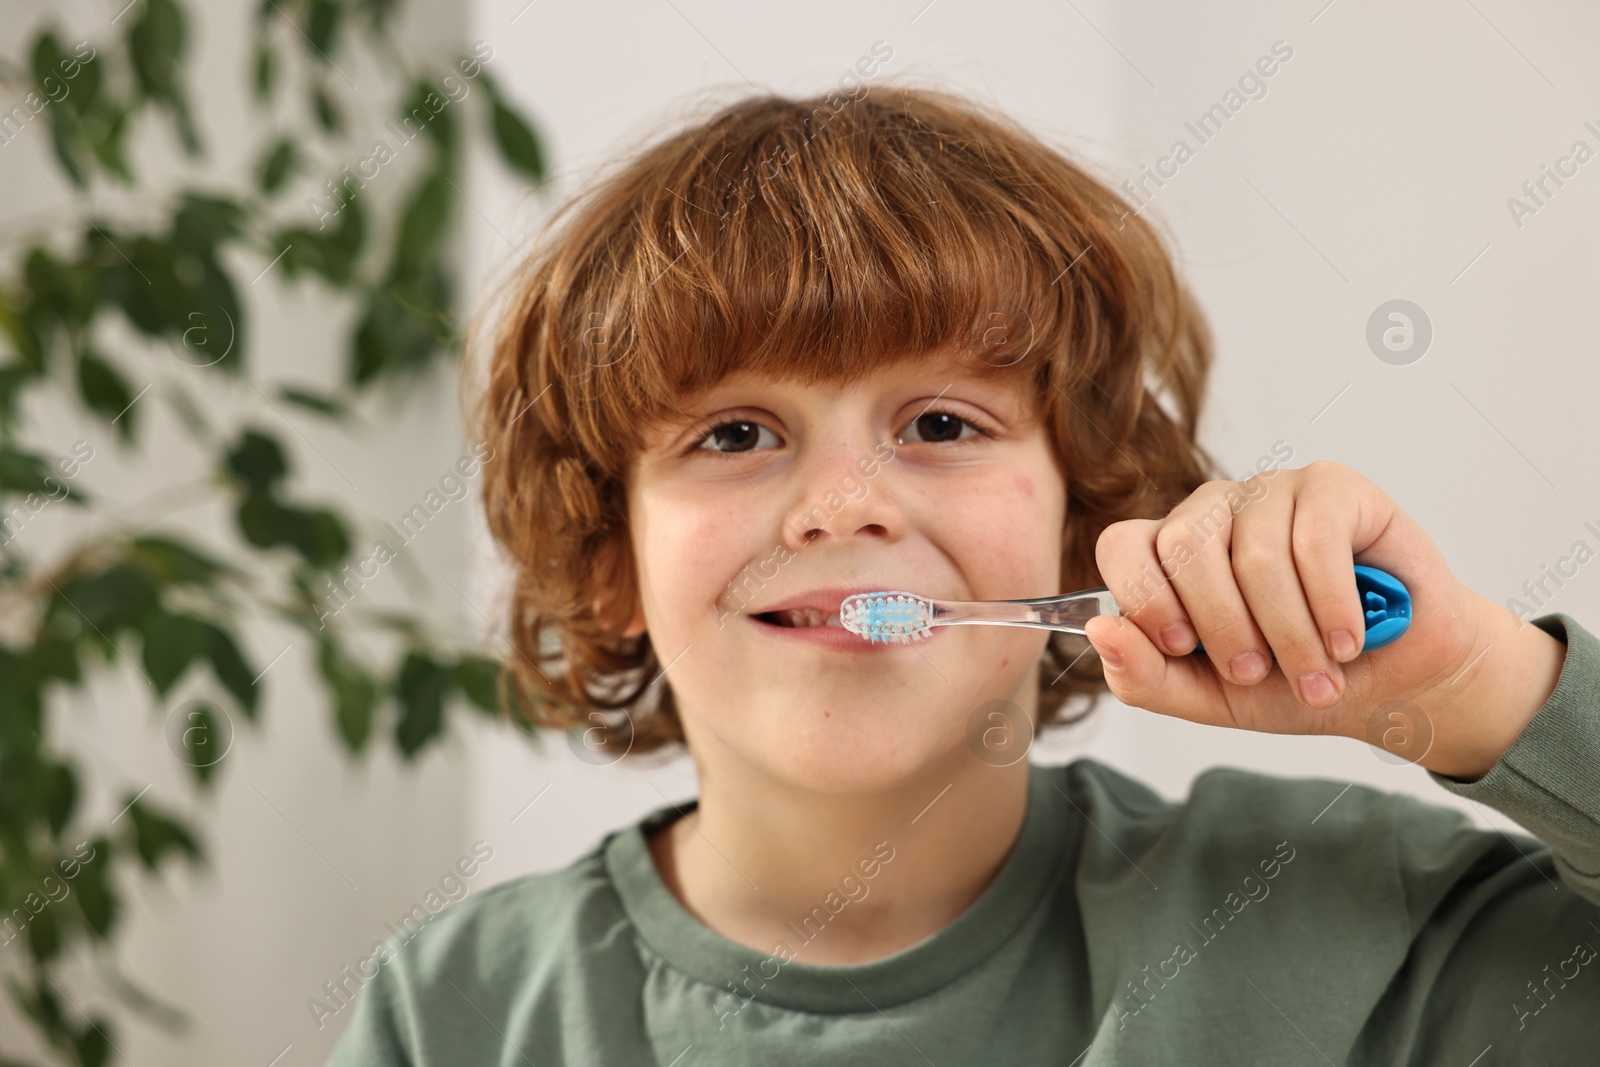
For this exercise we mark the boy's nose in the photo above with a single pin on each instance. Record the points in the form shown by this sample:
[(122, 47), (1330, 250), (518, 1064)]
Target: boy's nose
[(844, 490)]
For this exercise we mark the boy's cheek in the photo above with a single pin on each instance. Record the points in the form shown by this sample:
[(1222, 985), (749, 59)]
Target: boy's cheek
[(690, 557)]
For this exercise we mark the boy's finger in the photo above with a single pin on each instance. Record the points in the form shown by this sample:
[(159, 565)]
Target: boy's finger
[(1140, 675), (1126, 557), (1264, 565), (1199, 532), (1143, 676), (1336, 511)]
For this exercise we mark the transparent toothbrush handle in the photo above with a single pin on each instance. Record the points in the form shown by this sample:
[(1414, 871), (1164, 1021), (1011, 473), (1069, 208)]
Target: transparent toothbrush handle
[(1067, 614)]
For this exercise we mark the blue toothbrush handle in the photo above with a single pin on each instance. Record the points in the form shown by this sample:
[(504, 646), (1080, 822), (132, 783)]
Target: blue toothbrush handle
[(1386, 606)]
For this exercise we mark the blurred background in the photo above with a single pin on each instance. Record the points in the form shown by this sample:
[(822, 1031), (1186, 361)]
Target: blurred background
[(241, 241)]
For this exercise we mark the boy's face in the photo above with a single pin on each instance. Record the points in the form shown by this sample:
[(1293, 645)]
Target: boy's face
[(812, 490)]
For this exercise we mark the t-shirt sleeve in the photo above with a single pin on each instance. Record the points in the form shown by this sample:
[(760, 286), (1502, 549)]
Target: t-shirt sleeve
[(1505, 927), (1549, 779), (377, 1033)]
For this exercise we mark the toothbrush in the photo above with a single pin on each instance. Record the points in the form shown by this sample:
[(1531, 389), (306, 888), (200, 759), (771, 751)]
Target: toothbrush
[(896, 615)]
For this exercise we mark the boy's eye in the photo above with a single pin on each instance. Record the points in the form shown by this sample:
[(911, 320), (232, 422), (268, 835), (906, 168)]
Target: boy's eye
[(934, 426), (941, 427), (740, 435)]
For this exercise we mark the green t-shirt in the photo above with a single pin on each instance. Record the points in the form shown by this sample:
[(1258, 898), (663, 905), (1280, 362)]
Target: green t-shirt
[(1263, 920)]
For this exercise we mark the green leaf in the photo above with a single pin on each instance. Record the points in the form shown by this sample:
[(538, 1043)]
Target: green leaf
[(25, 472), (276, 166), (109, 600), (331, 252), (105, 392), (513, 135), (174, 561), (424, 224), (322, 26), (428, 109), (265, 522), (332, 407), (355, 694), (176, 287), (58, 792), (145, 285), (156, 44), (44, 934), (215, 321), (518, 144), (264, 74), (20, 709), (65, 136), (21, 321), (351, 234), (47, 55), (86, 86), (403, 328), (171, 643), (229, 665), (49, 60), (257, 461), (66, 292), (327, 115), (420, 690), (56, 657), (203, 223), (327, 542), (97, 902), (14, 378), (93, 1043), (200, 741), (478, 678), (155, 835), (317, 535), (106, 141), (186, 129)]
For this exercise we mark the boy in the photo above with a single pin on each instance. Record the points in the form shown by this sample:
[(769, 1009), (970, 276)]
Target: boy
[(795, 352)]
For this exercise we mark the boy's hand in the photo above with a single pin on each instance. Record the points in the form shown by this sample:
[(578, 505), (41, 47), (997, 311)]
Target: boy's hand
[(1268, 564)]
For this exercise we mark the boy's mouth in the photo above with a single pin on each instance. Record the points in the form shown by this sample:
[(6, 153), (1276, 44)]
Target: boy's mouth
[(801, 617)]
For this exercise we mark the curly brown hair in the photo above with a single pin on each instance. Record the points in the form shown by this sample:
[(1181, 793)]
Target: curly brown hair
[(817, 240)]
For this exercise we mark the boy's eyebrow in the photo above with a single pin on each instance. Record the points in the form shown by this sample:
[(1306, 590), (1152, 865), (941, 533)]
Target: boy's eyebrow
[(953, 374)]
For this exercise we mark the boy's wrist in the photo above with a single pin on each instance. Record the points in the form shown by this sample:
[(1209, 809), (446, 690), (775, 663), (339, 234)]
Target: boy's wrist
[(1511, 674)]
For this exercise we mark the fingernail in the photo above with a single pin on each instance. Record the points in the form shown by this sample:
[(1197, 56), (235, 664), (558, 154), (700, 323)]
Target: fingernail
[(1109, 657), (1317, 689), (1248, 666), (1179, 637), (1344, 644)]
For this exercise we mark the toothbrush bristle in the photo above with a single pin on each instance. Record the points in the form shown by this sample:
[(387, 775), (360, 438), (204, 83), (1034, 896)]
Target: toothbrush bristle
[(887, 616)]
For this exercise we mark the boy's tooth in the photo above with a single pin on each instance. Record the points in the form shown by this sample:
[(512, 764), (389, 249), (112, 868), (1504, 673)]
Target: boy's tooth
[(810, 617)]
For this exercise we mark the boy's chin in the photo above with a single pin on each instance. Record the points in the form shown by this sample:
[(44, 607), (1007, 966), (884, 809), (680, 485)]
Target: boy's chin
[(841, 761)]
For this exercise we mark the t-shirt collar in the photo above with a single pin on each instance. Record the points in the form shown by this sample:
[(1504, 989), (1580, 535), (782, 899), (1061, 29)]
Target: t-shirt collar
[(685, 943)]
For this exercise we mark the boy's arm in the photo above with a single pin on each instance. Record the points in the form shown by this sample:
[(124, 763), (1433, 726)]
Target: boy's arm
[(1481, 707), (1548, 779)]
